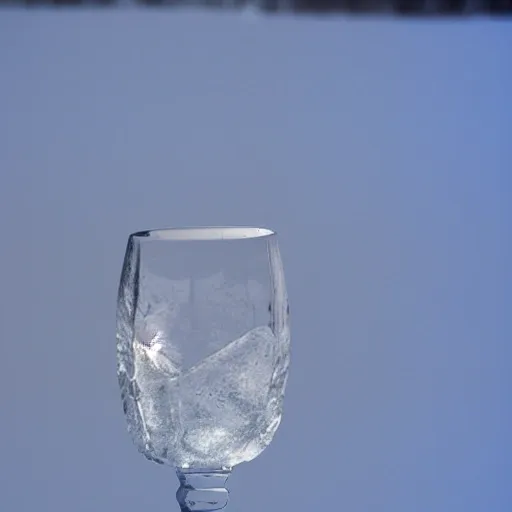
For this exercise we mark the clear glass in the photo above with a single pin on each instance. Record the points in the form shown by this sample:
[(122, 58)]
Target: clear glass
[(202, 351)]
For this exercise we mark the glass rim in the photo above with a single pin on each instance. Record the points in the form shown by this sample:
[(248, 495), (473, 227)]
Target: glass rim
[(203, 233)]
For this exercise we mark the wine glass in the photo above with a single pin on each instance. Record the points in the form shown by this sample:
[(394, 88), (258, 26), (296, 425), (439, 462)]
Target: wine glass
[(202, 351)]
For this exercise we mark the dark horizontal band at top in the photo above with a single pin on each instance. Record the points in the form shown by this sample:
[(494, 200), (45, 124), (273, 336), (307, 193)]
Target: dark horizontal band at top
[(398, 7)]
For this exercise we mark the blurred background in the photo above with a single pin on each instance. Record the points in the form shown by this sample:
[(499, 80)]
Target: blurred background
[(380, 151), (414, 8)]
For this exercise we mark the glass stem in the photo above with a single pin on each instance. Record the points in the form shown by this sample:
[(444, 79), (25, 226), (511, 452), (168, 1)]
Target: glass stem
[(202, 491)]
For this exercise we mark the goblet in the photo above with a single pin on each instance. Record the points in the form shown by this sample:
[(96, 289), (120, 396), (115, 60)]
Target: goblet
[(203, 345)]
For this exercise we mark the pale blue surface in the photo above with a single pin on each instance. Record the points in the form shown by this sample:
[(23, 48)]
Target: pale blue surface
[(381, 153)]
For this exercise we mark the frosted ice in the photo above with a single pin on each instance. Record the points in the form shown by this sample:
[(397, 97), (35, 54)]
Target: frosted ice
[(222, 411)]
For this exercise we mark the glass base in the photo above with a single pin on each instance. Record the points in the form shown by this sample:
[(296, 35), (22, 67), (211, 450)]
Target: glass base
[(202, 490)]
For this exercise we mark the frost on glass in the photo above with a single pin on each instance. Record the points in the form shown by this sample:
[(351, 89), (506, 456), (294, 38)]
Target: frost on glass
[(202, 359)]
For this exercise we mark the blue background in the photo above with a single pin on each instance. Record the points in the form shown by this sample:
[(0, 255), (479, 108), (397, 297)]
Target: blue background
[(379, 150)]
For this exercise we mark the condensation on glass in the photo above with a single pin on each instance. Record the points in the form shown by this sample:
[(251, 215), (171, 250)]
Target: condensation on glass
[(203, 351)]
